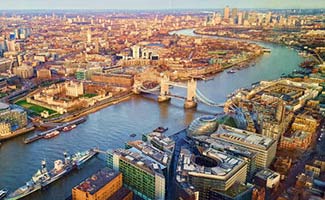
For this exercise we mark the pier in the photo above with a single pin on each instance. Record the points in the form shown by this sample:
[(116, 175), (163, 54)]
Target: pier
[(57, 128), (97, 150)]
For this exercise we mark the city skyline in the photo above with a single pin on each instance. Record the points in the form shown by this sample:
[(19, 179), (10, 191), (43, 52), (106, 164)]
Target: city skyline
[(158, 4), (162, 99)]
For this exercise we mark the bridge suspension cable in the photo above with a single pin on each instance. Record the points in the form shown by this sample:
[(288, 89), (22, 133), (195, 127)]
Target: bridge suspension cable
[(146, 90), (200, 97)]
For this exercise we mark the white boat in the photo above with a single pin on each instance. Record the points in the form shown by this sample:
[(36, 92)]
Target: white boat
[(3, 193)]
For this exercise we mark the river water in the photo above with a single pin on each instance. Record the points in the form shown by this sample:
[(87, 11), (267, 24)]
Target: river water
[(110, 128)]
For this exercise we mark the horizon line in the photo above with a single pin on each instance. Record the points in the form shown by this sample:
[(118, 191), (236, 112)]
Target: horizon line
[(147, 9)]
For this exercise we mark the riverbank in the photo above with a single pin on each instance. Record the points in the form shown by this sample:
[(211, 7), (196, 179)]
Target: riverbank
[(110, 127), (244, 62), (17, 133), (235, 36), (92, 109)]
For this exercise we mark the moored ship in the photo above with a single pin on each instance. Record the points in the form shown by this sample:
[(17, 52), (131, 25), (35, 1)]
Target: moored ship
[(32, 185), (52, 134), (43, 178), (69, 128), (82, 157)]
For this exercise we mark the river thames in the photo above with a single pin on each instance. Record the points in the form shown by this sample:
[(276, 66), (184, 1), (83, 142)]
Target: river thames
[(110, 128)]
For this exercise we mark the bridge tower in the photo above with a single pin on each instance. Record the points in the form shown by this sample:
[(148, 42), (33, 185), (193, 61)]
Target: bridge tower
[(164, 89), (190, 101)]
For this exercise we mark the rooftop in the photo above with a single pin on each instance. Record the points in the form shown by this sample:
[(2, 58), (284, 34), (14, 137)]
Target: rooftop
[(267, 174), (97, 181), (226, 146), (242, 136), (223, 167), (149, 150), (235, 190), (140, 160), (162, 140)]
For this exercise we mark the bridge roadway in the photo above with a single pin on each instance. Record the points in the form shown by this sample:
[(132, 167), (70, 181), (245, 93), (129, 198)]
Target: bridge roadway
[(41, 135), (199, 96)]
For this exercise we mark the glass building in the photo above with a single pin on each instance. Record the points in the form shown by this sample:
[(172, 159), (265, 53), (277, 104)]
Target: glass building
[(204, 125), (141, 174)]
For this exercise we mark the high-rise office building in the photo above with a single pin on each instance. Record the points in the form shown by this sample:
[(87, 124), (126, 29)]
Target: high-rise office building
[(240, 18), (211, 170), (141, 174), (234, 12), (264, 147), (226, 13), (88, 36), (11, 45), (268, 17)]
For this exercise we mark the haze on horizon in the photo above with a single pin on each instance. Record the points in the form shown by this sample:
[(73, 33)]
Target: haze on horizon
[(157, 4)]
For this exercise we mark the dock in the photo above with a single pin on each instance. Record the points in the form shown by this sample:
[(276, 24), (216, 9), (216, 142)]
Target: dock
[(41, 135)]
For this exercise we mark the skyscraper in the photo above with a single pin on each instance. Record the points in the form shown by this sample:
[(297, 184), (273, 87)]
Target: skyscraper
[(240, 18), (136, 51), (234, 12), (88, 36), (226, 12), (268, 17)]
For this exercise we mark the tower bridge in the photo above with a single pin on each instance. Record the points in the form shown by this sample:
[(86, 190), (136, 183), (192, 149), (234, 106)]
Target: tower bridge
[(193, 95)]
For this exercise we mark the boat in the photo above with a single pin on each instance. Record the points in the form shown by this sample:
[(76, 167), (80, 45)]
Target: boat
[(82, 157), (3, 193), (52, 134), (69, 128), (231, 71), (160, 129), (60, 169), (267, 50), (133, 135), (32, 185), (43, 178)]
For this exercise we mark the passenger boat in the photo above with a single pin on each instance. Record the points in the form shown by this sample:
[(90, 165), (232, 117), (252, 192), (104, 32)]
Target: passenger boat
[(52, 134), (69, 128)]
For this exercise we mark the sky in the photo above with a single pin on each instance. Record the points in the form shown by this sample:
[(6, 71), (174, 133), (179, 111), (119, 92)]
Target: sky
[(156, 4)]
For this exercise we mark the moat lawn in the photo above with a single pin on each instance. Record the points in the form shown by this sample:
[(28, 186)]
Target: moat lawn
[(34, 108)]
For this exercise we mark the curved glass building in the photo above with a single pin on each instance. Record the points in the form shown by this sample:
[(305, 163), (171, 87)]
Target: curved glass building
[(204, 125)]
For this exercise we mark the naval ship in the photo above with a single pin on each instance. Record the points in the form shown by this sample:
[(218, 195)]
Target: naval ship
[(43, 177)]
